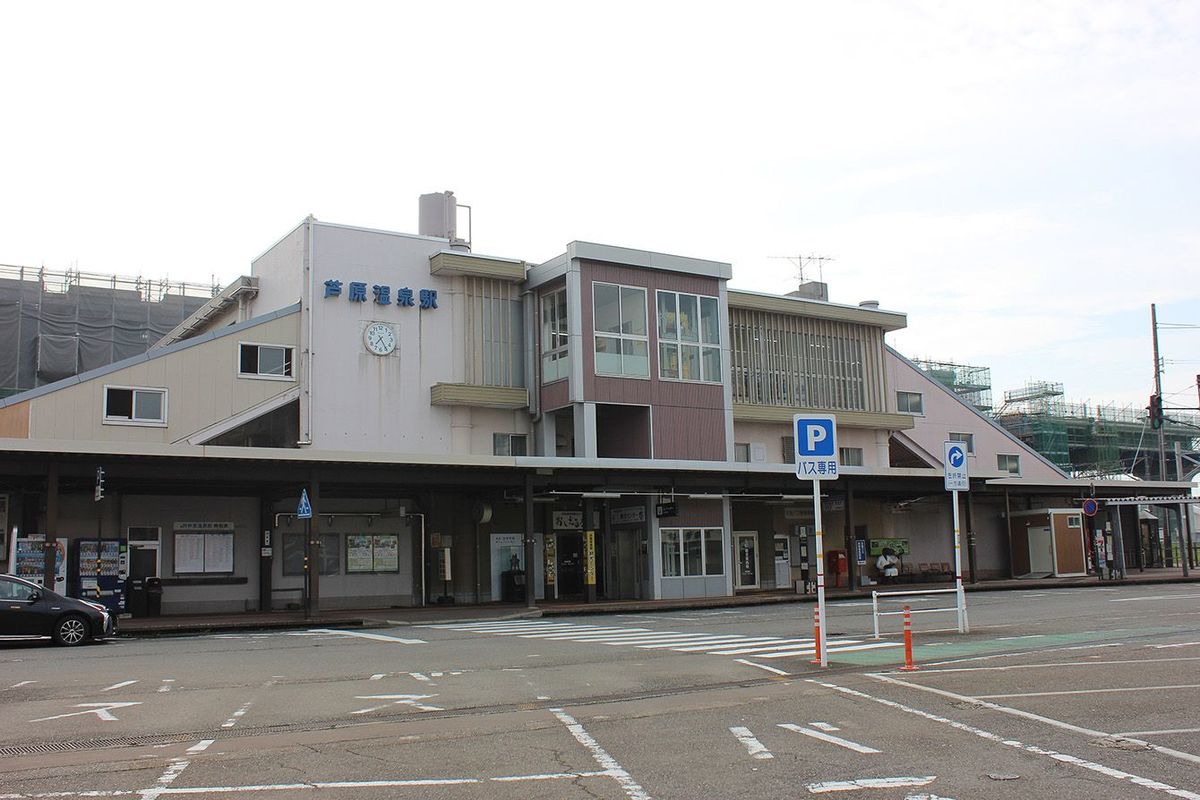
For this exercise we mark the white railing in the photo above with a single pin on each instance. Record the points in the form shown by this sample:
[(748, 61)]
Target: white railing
[(876, 613)]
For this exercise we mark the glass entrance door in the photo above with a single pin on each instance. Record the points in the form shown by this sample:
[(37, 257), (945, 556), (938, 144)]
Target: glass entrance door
[(746, 546)]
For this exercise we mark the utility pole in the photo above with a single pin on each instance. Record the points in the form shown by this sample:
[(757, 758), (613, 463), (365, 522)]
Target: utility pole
[(1162, 442)]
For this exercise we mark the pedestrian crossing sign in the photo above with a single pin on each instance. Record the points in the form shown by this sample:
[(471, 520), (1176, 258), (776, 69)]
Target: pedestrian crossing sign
[(304, 510)]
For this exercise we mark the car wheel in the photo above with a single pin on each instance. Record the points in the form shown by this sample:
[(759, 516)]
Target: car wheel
[(71, 630)]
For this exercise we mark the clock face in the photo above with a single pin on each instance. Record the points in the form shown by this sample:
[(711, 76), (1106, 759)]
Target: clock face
[(380, 338)]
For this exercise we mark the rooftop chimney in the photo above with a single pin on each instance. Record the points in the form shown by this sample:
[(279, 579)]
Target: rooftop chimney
[(812, 290), (439, 218)]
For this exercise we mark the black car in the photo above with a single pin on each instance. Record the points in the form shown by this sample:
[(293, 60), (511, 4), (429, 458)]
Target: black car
[(27, 609)]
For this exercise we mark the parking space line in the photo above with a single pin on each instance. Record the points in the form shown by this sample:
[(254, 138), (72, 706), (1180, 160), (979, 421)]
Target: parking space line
[(996, 738), (619, 773), (868, 783), (761, 666), (1170, 732), (120, 685), (1154, 597), (1087, 691), (375, 637), (756, 748), (1016, 712), (830, 738)]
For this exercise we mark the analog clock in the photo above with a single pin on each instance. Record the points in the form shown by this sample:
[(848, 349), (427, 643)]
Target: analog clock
[(380, 338)]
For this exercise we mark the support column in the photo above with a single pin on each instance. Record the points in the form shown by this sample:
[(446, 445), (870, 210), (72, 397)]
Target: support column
[(51, 532), (314, 548), (971, 537), (590, 534), (266, 524), (851, 545), (530, 601), (1119, 543), (1185, 539)]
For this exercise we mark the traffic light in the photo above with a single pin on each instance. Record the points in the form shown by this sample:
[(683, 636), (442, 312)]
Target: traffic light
[(1156, 411)]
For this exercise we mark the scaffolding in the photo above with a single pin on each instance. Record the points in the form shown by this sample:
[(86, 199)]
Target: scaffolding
[(60, 323), (972, 384), (1093, 440)]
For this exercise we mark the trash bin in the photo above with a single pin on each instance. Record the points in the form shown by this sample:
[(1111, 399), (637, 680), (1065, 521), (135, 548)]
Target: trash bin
[(512, 586), (136, 597), (153, 595)]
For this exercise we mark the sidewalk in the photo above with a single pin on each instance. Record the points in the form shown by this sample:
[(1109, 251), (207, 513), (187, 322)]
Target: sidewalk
[(386, 617)]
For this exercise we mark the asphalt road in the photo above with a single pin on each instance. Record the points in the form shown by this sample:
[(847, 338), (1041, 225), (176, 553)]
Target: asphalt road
[(1080, 693)]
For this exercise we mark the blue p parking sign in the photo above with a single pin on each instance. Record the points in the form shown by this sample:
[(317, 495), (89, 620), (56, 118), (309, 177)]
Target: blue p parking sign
[(816, 447)]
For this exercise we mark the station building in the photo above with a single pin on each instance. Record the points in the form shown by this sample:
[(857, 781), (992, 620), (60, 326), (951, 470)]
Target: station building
[(609, 424)]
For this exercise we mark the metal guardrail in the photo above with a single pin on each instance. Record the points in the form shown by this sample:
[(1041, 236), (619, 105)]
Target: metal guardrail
[(876, 613)]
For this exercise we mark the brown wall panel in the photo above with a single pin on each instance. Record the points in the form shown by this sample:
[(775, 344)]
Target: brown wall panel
[(689, 417), (14, 421)]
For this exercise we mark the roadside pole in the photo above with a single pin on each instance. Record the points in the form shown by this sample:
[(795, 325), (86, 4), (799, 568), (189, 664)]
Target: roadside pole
[(955, 462), (815, 438), (820, 644), (311, 565)]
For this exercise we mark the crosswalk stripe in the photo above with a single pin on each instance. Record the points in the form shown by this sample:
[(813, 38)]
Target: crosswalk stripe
[(833, 647), (765, 647)]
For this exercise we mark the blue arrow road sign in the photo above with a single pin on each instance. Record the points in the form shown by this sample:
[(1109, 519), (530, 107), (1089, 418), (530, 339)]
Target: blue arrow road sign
[(955, 462), (304, 509)]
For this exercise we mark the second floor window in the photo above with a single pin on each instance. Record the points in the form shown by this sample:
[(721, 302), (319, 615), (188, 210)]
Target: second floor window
[(619, 318), (133, 405), (265, 361), (910, 403), (1008, 463), (509, 444), (966, 438), (555, 363), (850, 456), (689, 337)]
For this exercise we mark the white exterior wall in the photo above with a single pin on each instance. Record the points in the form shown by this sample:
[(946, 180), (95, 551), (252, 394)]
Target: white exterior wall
[(771, 436), (945, 413), (202, 386), (280, 273)]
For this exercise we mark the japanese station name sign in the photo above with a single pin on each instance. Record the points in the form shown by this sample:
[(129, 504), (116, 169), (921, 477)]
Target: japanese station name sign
[(816, 447), (382, 294)]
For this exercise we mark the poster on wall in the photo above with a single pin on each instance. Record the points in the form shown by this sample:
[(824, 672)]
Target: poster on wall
[(386, 552), (360, 555), (898, 545)]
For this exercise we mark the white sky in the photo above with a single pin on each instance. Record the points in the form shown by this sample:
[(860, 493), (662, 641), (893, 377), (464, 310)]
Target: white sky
[(1022, 179)]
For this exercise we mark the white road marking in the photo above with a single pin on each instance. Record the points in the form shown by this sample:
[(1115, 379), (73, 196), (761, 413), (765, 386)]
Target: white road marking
[(201, 746), (166, 685), (377, 676), (867, 783), (1170, 732), (413, 700), (646, 639), (168, 777), (1167, 646), (1154, 597), (756, 748), (1016, 712), (926, 797), (101, 710), (1053, 665), (420, 676), (120, 685), (237, 715), (1014, 638), (831, 739), (1087, 691), (1028, 748), (825, 726), (375, 637), (622, 777), (22, 683), (761, 666)]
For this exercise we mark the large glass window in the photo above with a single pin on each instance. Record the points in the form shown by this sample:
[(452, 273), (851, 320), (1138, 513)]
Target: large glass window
[(670, 553), (555, 363), (619, 318), (689, 337), (692, 552)]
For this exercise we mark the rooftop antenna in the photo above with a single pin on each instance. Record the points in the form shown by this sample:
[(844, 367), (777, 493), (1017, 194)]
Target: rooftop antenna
[(802, 261)]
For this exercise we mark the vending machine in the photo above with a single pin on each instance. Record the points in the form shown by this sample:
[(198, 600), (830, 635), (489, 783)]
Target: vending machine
[(29, 562), (106, 585)]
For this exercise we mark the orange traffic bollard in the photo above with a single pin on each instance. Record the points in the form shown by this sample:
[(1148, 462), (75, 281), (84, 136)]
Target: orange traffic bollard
[(908, 662), (816, 634)]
